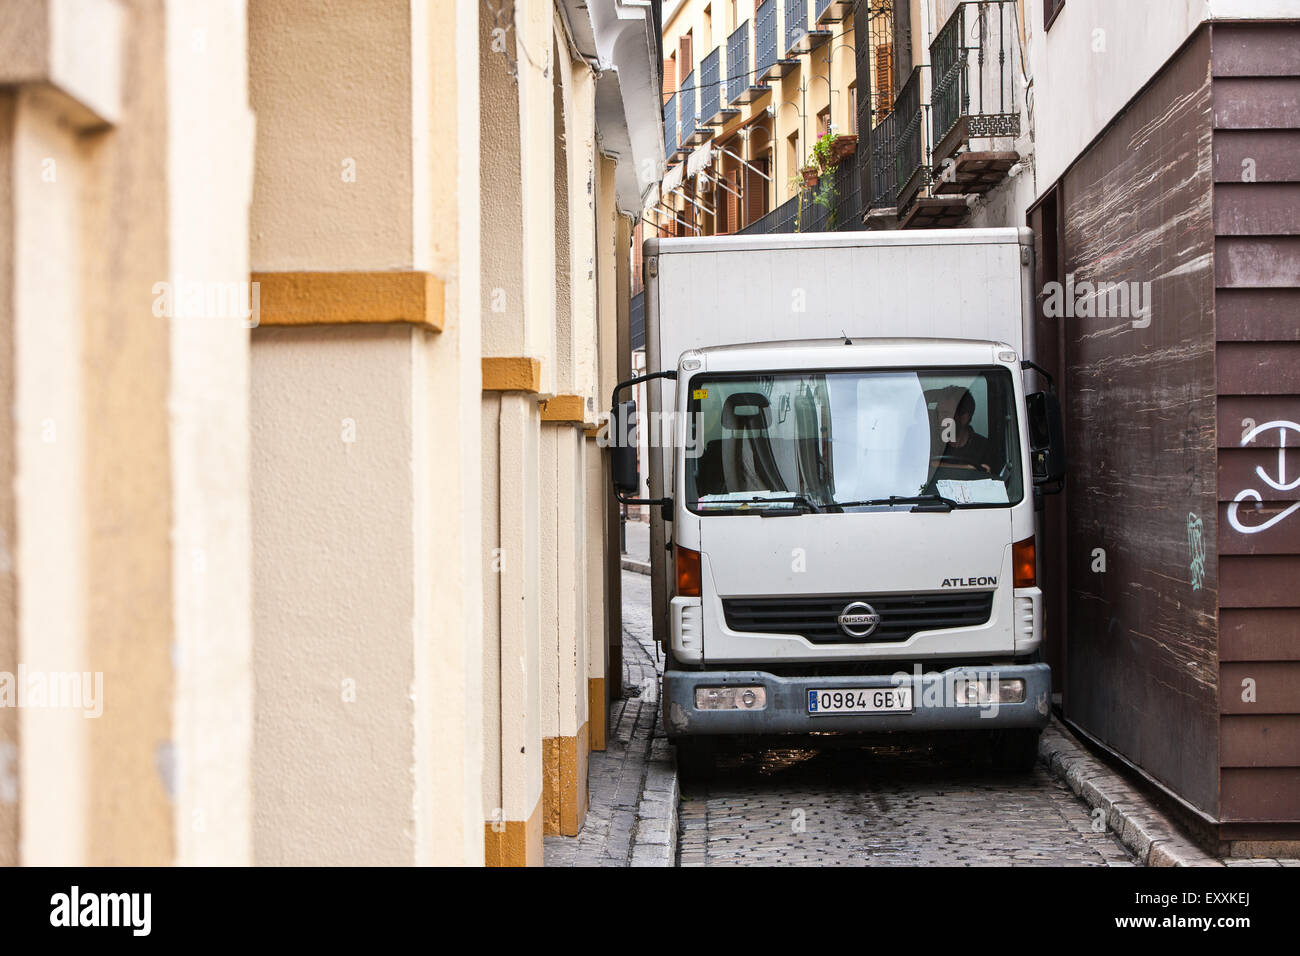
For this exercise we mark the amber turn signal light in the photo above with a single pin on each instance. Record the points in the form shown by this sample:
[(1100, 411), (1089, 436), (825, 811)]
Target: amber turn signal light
[(1022, 563), (688, 571)]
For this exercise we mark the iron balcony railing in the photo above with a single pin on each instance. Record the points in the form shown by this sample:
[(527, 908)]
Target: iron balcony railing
[(670, 125), (796, 21), (765, 55), (911, 140), (780, 219), (820, 9), (738, 62), (883, 140), (688, 107), (840, 212), (973, 61), (710, 85)]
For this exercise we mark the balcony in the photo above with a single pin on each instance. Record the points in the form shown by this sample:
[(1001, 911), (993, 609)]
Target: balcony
[(975, 63), (714, 110), (801, 213), (798, 38), (901, 175), (769, 65), (688, 100), (741, 88), (832, 11)]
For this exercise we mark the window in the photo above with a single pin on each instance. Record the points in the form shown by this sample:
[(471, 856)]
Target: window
[(823, 122), (793, 160), (840, 441), (853, 109), (706, 34), (685, 62)]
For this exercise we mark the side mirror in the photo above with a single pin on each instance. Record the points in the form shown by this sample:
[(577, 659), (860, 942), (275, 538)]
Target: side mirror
[(627, 475), (1046, 441), (623, 468)]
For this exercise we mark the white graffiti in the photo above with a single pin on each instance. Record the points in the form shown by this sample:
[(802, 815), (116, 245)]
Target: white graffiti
[(1281, 484)]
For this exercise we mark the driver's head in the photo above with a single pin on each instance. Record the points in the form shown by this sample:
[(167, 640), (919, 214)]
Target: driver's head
[(965, 408)]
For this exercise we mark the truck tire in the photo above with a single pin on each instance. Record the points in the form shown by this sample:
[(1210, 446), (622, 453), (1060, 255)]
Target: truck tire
[(1015, 750), (694, 758)]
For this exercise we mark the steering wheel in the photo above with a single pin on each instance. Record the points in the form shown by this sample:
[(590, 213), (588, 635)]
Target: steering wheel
[(951, 461)]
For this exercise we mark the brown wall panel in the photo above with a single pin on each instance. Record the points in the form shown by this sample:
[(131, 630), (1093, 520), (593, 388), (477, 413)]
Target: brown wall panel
[(1259, 634), (1263, 793), (1239, 470), (1257, 303), (1251, 368), (1261, 155), (1237, 412), (1256, 102), (1248, 50), (1276, 687), (1141, 670), (1257, 209), (1259, 581), (1261, 261), (1258, 315), (1280, 521), (1247, 741)]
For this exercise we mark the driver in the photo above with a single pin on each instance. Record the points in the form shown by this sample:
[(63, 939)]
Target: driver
[(968, 446)]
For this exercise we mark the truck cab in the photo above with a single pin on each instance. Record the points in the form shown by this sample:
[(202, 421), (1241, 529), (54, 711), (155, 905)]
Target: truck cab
[(852, 541)]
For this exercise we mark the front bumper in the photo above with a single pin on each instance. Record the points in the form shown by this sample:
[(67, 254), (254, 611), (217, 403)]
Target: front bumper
[(934, 707)]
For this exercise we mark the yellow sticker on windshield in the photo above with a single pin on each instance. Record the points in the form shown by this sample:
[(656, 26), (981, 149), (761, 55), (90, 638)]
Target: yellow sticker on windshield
[(701, 393)]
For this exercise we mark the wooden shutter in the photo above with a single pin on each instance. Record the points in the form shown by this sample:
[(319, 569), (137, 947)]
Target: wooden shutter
[(755, 192), (685, 63), (884, 80), (733, 202)]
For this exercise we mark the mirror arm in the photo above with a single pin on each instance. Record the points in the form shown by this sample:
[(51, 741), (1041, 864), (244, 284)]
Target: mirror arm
[(671, 375), (1051, 382)]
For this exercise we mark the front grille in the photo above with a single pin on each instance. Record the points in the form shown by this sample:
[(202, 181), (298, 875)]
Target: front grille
[(816, 618)]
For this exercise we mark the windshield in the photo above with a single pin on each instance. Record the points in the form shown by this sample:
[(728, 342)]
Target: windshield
[(849, 441)]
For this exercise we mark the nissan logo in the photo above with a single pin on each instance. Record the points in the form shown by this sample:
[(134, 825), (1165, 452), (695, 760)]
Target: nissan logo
[(858, 619)]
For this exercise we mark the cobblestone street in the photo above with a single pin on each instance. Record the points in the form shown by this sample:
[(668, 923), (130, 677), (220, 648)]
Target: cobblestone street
[(884, 807)]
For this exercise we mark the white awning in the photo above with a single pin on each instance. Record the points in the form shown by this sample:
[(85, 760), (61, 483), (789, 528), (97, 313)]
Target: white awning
[(672, 179), (702, 157)]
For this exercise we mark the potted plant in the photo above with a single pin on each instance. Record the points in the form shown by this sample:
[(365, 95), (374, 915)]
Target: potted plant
[(810, 175)]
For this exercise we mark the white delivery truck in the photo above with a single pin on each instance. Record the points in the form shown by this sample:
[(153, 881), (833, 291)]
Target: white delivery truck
[(844, 459)]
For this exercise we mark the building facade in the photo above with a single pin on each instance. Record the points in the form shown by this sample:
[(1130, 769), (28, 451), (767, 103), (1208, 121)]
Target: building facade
[(308, 311), (749, 89)]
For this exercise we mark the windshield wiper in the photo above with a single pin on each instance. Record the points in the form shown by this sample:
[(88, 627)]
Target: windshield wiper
[(788, 499), (929, 502)]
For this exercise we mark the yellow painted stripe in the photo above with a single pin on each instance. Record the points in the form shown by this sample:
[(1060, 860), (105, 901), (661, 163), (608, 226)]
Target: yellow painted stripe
[(350, 298), (512, 374)]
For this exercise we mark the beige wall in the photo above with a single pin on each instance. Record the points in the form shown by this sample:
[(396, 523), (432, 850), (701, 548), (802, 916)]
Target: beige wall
[(126, 538), (349, 584)]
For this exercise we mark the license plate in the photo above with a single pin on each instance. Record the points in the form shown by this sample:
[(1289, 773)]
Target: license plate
[(860, 700)]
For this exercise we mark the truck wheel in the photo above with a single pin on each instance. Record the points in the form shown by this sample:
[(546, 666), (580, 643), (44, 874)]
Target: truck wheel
[(1015, 750), (694, 758)]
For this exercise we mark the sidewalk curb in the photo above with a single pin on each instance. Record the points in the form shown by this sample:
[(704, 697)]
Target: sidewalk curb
[(1145, 831), (632, 564), (655, 843)]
